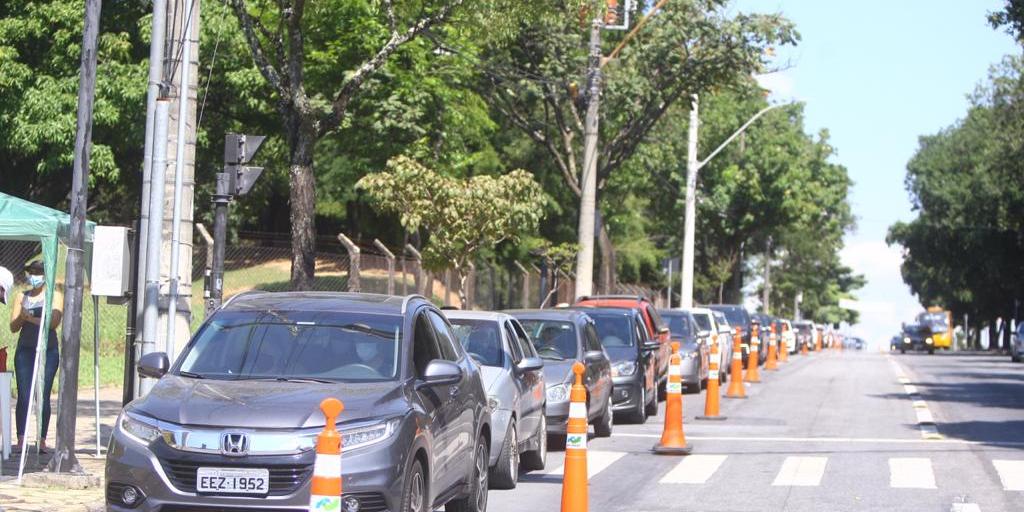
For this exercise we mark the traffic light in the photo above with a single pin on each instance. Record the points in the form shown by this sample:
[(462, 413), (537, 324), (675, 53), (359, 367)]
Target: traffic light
[(239, 150)]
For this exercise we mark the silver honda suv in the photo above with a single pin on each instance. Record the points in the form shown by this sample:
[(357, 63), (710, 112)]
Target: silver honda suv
[(232, 424)]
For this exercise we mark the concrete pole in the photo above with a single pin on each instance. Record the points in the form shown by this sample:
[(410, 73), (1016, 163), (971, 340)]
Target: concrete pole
[(767, 292), (184, 85), (588, 196), (686, 287), (150, 312)]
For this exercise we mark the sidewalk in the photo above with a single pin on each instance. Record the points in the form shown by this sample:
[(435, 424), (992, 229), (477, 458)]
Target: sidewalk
[(42, 491)]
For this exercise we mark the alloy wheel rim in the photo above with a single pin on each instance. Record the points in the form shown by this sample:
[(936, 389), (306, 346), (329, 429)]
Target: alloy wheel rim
[(481, 470), (417, 493), (608, 413), (543, 439), (513, 461)]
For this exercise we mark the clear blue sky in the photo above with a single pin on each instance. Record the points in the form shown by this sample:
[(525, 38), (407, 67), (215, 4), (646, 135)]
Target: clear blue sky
[(878, 74)]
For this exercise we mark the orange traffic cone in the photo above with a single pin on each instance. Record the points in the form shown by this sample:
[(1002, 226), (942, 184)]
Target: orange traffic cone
[(772, 363), (736, 389), (753, 375), (712, 396), (673, 441), (574, 480), (817, 341), (325, 489), (803, 348), (784, 353)]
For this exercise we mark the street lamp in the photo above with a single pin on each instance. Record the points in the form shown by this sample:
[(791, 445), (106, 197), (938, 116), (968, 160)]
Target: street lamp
[(693, 166)]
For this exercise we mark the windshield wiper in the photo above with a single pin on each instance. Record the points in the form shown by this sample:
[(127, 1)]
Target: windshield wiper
[(290, 379), (191, 375)]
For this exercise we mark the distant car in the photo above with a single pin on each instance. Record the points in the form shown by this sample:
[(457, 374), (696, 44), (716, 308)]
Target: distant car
[(804, 334), (789, 335), (1017, 344), (513, 378), (738, 317), (563, 337), (895, 342), (656, 328), (916, 337), (233, 424), (696, 353), (632, 353), (763, 324), (725, 341), (854, 343)]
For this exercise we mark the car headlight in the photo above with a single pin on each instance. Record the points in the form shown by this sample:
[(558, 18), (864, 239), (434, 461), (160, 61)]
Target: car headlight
[(493, 402), (624, 368), (690, 355), (906, 340), (929, 341), (363, 436), (139, 428), (558, 393)]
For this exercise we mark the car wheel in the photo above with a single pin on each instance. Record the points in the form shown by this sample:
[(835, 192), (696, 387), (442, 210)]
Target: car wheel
[(652, 404), (639, 414), (603, 427), (476, 500), (536, 460), (505, 473), (931, 351), (414, 495), (903, 351)]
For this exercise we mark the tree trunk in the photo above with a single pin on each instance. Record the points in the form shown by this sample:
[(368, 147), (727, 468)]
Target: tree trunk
[(302, 142), (607, 271), (463, 298)]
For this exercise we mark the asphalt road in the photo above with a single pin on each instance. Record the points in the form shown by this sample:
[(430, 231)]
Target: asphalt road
[(850, 431)]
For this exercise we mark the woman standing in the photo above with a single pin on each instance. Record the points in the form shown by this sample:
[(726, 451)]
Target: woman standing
[(25, 319)]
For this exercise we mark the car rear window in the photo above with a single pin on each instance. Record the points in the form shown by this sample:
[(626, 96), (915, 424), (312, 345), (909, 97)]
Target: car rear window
[(703, 321), (553, 339), (481, 339), (736, 315), (613, 329), (321, 345), (677, 325)]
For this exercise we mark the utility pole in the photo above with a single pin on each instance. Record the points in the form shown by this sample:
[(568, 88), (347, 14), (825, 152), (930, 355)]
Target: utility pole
[(588, 196), (796, 305), (64, 458), (767, 292), (693, 167)]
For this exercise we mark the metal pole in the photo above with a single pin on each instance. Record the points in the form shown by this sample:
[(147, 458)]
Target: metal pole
[(354, 284), (588, 196), (768, 278), (668, 289), (686, 287), (221, 198), (96, 365), (179, 175), (150, 313), (64, 458)]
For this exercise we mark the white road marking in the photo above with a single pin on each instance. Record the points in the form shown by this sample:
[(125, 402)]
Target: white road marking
[(1011, 473), (965, 507), (924, 415), (694, 469), (911, 473), (866, 440), (801, 471), (597, 461), (910, 389)]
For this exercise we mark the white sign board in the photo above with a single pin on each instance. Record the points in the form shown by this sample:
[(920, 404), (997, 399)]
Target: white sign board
[(110, 261)]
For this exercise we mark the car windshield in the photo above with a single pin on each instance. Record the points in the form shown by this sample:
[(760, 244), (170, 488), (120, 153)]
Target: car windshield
[(703, 321), (285, 345), (677, 325), (912, 329), (481, 339), (613, 329), (736, 316), (553, 339)]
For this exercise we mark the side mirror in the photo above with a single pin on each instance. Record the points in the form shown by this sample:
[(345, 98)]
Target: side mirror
[(663, 330), (651, 345), (440, 372), (529, 364), (593, 355), (153, 365), (703, 334)]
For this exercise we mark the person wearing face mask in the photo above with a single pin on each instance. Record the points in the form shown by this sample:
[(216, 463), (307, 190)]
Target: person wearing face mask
[(26, 316)]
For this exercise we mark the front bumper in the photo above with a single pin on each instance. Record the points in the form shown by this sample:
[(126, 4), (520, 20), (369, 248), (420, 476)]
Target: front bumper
[(500, 419), (557, 416), (166, 477), (626, 393)]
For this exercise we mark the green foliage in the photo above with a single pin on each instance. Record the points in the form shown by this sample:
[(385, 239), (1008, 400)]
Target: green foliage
[(461, 216)]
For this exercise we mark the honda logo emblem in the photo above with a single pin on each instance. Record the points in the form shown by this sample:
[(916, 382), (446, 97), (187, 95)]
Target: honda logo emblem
[(235, 445)]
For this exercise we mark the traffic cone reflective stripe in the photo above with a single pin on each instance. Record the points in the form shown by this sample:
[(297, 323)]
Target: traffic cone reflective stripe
[(772, 363), (325, 488), (753, 375), (673, 441), (574, 479), (736, 389), (712, 397)]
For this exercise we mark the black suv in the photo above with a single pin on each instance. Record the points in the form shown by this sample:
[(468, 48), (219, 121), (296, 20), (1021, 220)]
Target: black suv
[(233, 423), (738, 317)]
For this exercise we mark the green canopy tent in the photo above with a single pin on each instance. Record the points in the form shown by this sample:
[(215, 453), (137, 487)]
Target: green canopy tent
[(26, 221)]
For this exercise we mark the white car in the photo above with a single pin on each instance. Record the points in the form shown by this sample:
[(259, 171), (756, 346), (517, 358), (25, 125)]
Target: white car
[(725, 341)]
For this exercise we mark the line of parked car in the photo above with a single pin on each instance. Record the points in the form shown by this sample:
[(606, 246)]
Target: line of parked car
[(440, 405)]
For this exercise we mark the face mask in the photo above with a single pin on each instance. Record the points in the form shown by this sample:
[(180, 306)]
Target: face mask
[(366, 351), (35, 281)]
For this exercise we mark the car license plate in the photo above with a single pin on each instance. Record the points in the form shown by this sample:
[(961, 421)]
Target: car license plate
[(232, 481)]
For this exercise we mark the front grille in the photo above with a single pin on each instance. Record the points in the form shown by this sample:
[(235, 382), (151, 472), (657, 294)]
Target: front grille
[(202, 508), (368, 502), (284, 478)]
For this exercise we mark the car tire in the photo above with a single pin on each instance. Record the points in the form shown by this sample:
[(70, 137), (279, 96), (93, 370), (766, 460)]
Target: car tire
[(652, 404), (505, 473), (603, 426), (414, 492), (931, 351), (1014, 357), (476, 500), (903, 351), (639, 413), (535, 460)]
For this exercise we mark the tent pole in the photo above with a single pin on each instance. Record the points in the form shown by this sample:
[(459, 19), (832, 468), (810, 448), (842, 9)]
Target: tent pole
[(96, 365), (40, 348)]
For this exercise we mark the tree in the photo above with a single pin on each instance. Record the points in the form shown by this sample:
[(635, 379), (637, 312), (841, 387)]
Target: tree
[(690, 47), (461, 216), (318, 63)]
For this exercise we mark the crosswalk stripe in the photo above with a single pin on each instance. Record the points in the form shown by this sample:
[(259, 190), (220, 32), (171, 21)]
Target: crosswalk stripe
[(597, 461), (694, 469), (801, 471), (911, 473), (1011, 473)]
